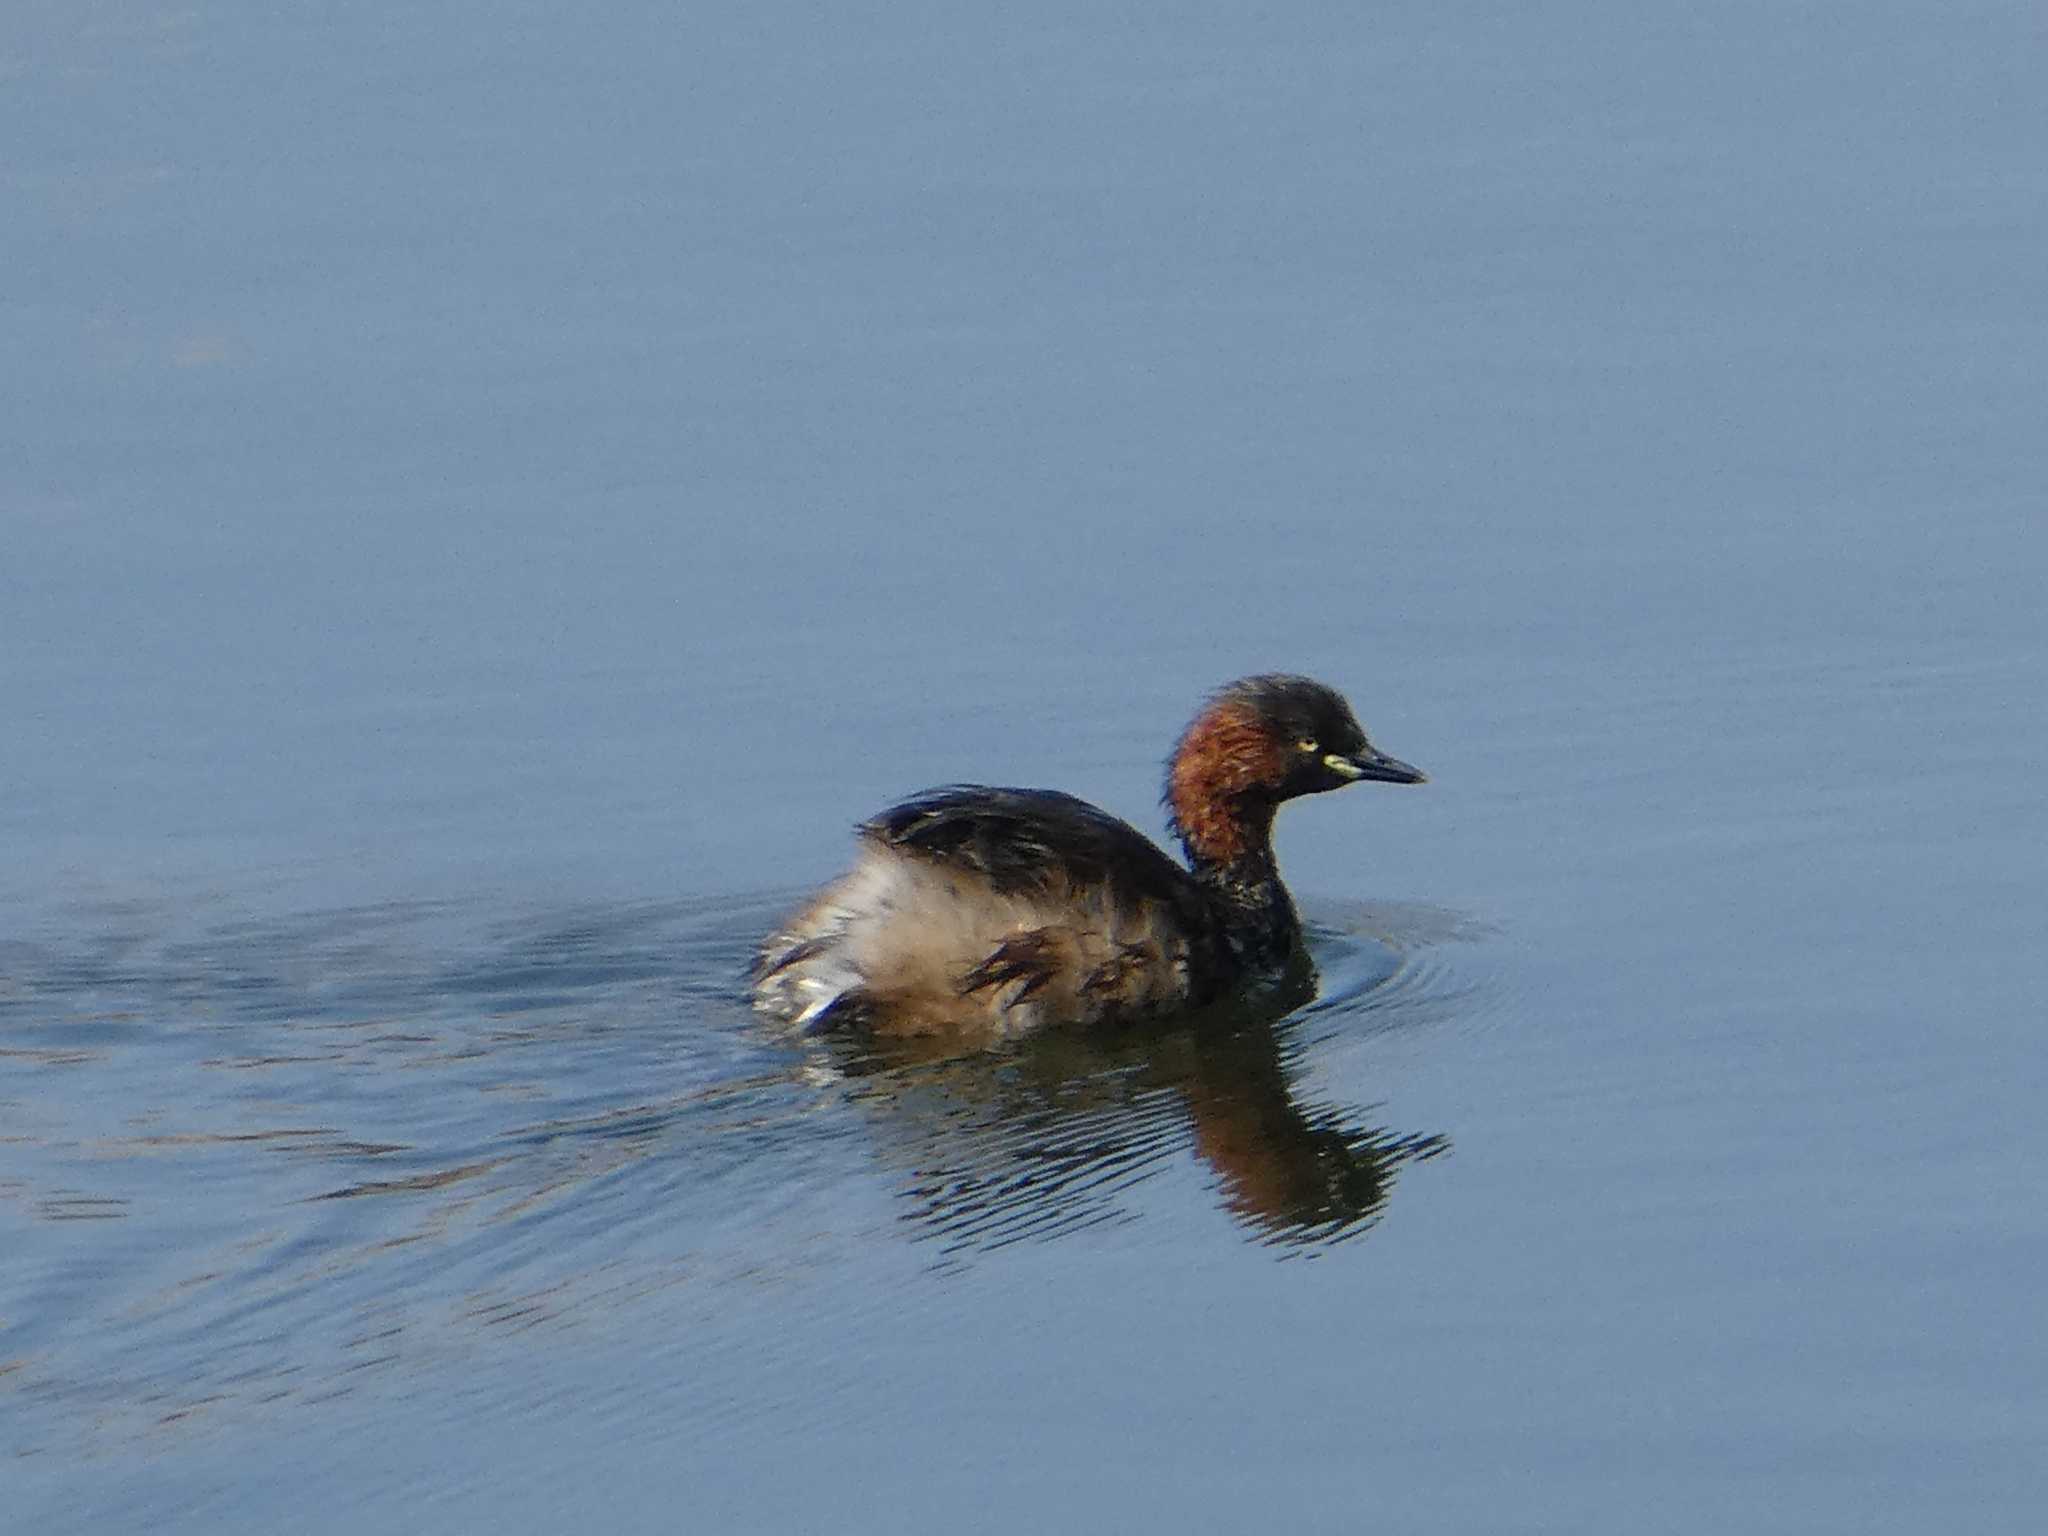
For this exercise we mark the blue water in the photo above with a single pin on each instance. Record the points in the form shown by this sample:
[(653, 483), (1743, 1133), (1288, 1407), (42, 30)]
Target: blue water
[(491, 494)]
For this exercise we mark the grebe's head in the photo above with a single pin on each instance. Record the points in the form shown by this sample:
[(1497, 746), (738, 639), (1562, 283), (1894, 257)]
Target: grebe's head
[(1257, 742)]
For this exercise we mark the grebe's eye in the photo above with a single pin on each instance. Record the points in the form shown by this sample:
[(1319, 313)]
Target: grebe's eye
[(1307, 744)]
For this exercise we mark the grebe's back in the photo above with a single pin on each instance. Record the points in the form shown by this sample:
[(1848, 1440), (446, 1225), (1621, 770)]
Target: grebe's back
[(992, 910)]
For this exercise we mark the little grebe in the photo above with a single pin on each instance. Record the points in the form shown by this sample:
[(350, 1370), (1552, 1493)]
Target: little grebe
[(998, 911)]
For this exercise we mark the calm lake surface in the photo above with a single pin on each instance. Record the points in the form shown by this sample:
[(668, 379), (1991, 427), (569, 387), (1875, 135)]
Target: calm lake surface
[(492, 493)]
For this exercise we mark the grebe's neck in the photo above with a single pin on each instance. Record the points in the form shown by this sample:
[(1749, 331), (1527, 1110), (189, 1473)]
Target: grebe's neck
[(1258, 916), (1220, 793)]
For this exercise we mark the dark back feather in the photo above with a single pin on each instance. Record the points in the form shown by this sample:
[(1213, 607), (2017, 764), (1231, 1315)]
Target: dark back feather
[(1036, 840)]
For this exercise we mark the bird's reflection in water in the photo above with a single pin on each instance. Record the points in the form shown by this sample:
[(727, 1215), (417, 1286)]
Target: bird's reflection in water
[(1041, 1139)]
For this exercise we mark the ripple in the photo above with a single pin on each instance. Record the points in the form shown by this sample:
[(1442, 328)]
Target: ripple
[(271, 1156)]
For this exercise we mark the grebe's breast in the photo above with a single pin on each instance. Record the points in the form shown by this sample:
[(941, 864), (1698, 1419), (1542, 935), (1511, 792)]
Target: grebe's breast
[(994, 911)]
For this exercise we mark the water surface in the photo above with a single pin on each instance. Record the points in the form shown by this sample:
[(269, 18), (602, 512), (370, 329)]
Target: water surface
[(491, 496)]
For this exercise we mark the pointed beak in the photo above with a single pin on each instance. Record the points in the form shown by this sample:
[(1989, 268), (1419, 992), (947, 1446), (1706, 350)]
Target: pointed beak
[(1371, 764)]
